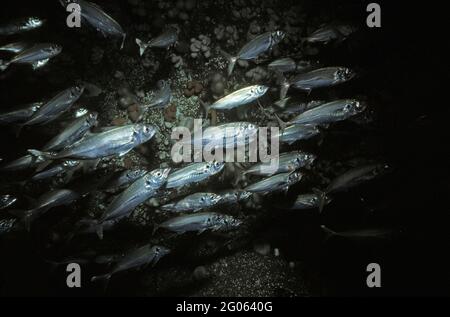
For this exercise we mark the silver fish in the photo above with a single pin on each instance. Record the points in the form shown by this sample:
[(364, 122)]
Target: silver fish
[(121, 179), (233, 196), (329, 33), (53, 108), (330, 112), (162, 97), (7, 225), (15, 47), (37, 56), (275, 183), (6, 201), (297, 132), (58, 169), (141, 190), (239, 98), (72, 133), (296, 107), (194, 202), (226, 135), (94, 15), (21, 114), (22, 163), (319, 78), (369, 233), (287, 162), (21, 26), (352, 178), (283, 65), (200, 222), (307, 201), (52, 199), (193, 173), (113, 141), (166, 39), (259, 45), (142, 256)]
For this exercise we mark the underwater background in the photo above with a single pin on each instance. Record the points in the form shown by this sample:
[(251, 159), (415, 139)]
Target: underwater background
[(277, 252)]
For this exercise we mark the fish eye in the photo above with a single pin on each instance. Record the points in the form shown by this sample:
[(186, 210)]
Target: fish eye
[(158, 174), (207, 166), (202, 198)]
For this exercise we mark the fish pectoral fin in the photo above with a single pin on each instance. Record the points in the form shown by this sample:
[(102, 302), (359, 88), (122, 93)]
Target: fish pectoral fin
[(39, 64)]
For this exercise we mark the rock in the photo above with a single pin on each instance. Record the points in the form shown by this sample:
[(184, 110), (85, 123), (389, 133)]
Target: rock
[(200, 273), (119, 121), (134, 112), (170, 113), (263, 249), (128, 163), (276, 252), (193, 87), (118, 74)]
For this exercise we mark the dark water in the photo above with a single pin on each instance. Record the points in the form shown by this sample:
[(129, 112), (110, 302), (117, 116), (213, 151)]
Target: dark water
[(397, 129)]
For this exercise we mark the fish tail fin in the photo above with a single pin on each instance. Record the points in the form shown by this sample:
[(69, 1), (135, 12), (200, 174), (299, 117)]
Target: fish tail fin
[(205, 106), (322, 196), (328, 232), (4, 65), (283, 125), (284, 84), (155, 228), (142, 46), (40, 155), (18, 129), (99, 231), (231, 61), (282, 102), (26, 217), (124, 36)]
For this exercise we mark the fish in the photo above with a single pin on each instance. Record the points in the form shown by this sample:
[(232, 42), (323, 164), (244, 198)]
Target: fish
[(55, 107), (296, 132), (193, 202), (275, 183), (7, 201), (193, 173), (20, 114), (287, 162), (58, 169), (23, 163), (306, 201), (296, 107), (329, 112), (138, 257), (37, 56), (239, 98), (351, 178), (257, 46), (162, 97), (200, 222), (317, 78), (283, 65), (94, 15), (72, 133), (226, 135), (7, 225), (164, 40), (138, 192), (113, 141), (21, 25), (329, 33), (121, 179), (15, 47), (360, 234), (233, 196), (51, 199)]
